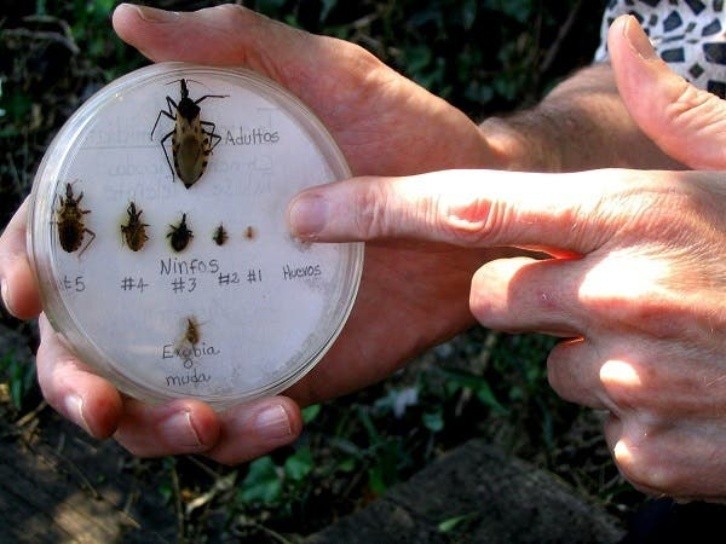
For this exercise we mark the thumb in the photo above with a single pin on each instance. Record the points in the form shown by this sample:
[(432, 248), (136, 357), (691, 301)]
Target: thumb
[(687, 123), (226, 35)]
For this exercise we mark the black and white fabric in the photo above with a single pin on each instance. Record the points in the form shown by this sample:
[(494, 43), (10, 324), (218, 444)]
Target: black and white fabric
[(690, 35)]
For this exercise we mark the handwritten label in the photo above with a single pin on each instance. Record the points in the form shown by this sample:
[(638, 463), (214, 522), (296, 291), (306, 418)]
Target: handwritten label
[(182, 267), (256, 136), (76, 284), (194, 377), (301, 272), (189, 355)]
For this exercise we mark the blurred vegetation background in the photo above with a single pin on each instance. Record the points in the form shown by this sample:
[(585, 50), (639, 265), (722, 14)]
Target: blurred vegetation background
[(485, 57)]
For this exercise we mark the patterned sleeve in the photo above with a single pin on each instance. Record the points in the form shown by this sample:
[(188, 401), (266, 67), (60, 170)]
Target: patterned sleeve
[(687, 34)]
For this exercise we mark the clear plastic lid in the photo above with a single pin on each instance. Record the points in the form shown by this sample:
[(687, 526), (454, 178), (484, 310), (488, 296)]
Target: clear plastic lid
[(159, 241)]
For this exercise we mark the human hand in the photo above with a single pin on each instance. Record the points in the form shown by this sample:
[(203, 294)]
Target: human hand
[(384, 123), (637, 288)]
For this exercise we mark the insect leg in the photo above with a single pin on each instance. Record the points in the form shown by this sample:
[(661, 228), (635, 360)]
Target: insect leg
[(170, 114), (166, 153), (198, 100), (214, 138), (91, 239)]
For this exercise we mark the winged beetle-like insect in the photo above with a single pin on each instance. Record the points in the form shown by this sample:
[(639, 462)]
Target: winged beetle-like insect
[(192, 138)]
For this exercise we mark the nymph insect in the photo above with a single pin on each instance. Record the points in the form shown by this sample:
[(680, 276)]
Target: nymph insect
[(220, 235), (71, 223), (192, 139), (134, 231), (250, 233), (180, 235)]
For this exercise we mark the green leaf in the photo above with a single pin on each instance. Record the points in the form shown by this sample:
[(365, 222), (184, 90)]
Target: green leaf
[(347, 465), (267, 6), (263, 482), (299, 465), (418, 57), (486, 396), (328, 6), (479, 385), (519, 10), (433, 421), (310, 413), (468, 13), (376, 480), (448, 525)]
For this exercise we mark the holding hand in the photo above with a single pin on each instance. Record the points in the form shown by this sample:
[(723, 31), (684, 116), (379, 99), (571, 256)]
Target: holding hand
[(383, 123), (637, 285)]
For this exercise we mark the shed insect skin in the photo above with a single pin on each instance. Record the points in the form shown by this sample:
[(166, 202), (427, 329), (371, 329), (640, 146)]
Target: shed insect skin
[(220, 235), (134, 232), (71, 223), (180, 235), (192, 140), (189, 339), (192, 334)]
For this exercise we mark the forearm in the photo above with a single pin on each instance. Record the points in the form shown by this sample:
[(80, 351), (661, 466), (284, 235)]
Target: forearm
[(582, 124)]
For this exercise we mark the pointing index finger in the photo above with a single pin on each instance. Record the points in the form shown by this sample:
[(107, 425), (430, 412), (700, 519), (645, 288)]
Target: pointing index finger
[(471, 208)]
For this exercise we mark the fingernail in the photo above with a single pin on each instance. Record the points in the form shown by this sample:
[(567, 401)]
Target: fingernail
[(155, 15), (273, 424), (74, 410), (307, 215), (179, 430), (637, 39)]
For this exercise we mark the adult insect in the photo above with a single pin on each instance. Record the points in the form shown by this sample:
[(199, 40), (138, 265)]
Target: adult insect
[(192, 139), (180, 235), (134, 231), (220, 235), (71, 223)]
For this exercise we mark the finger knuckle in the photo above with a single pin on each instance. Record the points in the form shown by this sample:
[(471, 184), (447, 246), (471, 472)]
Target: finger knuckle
[(625, 383), (236, 11), (631, 295), (371, 205), (470, 223), (662, 463), (644, 465)]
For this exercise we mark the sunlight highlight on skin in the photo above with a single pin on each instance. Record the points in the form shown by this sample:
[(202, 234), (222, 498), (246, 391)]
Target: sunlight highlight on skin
[(619, 372), (625, 274), (622, 453)]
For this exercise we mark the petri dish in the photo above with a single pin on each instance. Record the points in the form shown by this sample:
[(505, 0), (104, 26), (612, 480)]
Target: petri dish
[(158, 237)]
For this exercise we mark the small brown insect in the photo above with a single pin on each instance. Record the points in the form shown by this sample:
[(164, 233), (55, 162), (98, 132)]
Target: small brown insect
[(71, 223), (192, 140), (192, 334), (180, 235), (250, 233), (134, 232), (220, 235)]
